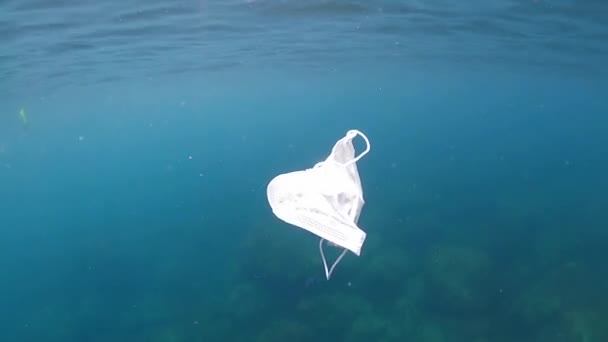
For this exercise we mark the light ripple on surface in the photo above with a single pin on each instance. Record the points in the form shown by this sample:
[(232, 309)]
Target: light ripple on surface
[(51, 39)]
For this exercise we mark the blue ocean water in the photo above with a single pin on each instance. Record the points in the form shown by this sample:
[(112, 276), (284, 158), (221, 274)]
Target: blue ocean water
[(137, 139)]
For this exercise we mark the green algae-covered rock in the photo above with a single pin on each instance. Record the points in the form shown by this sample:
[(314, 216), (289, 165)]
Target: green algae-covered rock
[(458, 279), (284, 330)]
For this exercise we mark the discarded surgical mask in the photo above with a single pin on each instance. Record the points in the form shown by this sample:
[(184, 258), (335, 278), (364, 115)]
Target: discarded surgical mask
[(326, 200)]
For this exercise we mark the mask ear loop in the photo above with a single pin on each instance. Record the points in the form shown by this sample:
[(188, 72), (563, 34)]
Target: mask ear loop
[(367, 148), (328, 272)]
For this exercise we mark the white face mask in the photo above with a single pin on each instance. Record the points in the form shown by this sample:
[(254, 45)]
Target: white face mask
[(326, 200)]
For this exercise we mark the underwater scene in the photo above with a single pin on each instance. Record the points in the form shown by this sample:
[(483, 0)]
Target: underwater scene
[(191, 170)]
